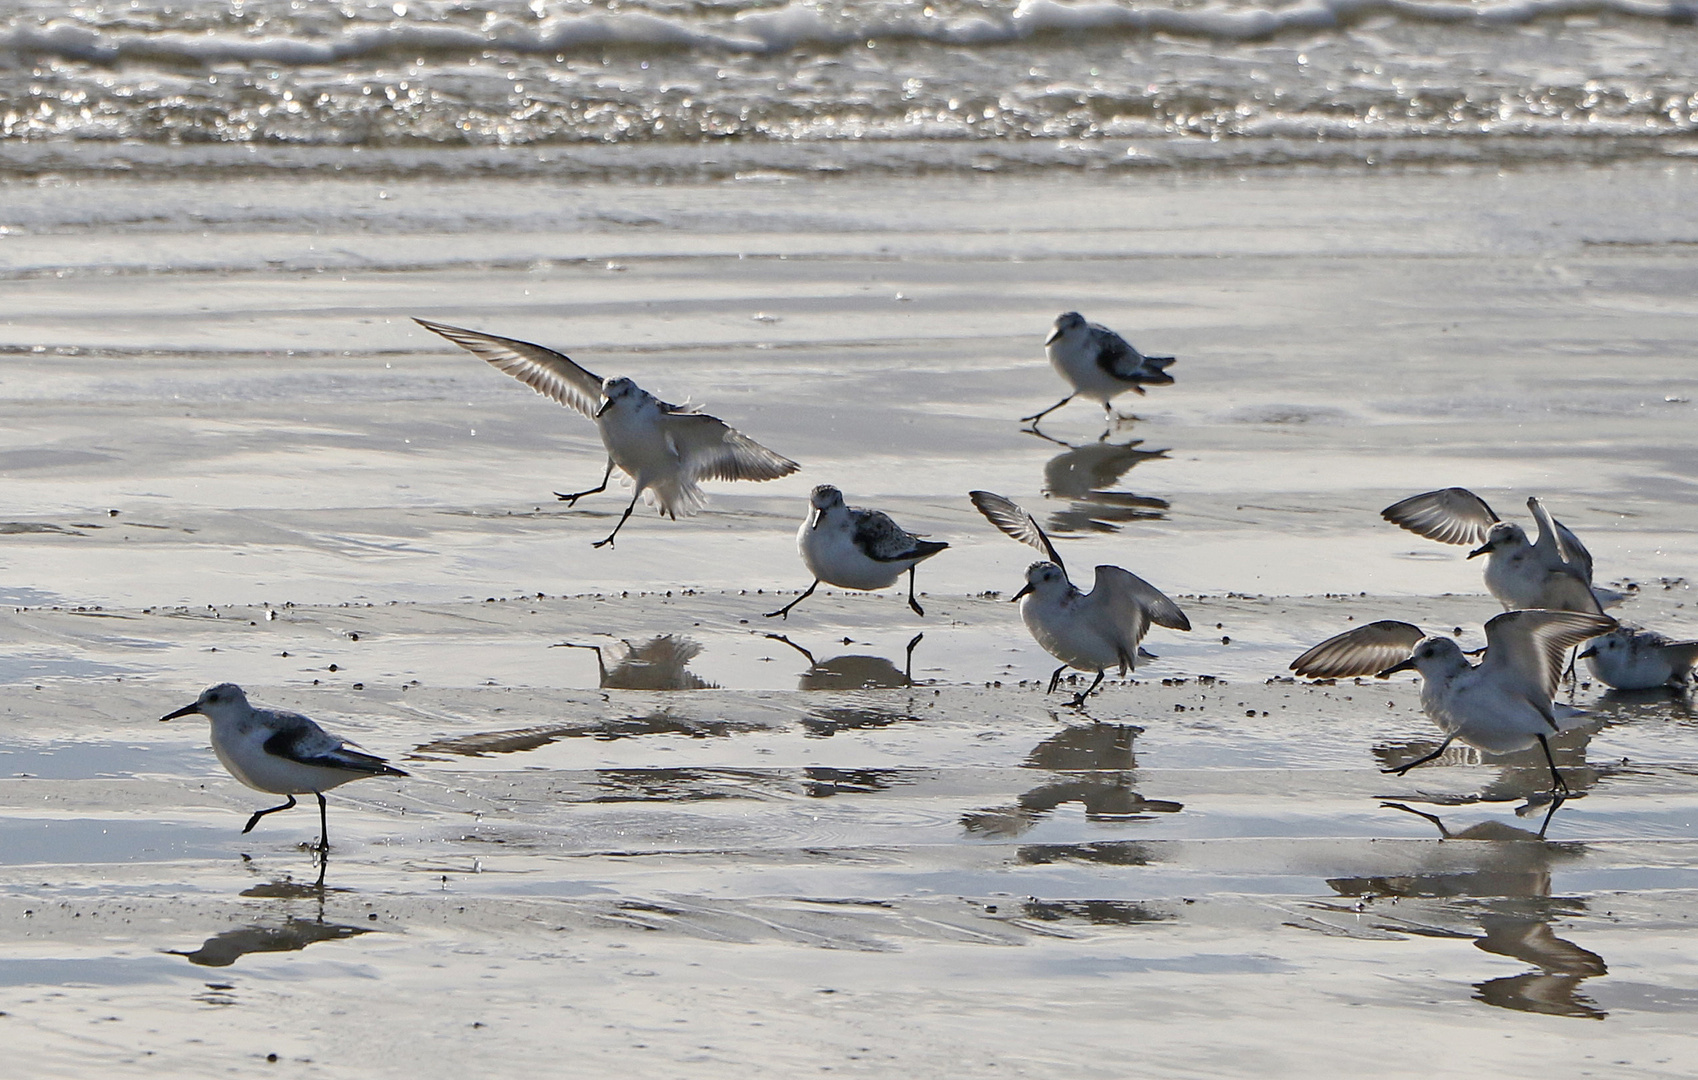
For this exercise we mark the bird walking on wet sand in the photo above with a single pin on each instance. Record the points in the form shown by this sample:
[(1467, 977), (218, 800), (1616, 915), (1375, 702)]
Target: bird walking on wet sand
[(1553, 572), (283, 753), (1098, 363), (855, 548), (1091, 631), (1501, 705), (665, 449), (1632, 659)]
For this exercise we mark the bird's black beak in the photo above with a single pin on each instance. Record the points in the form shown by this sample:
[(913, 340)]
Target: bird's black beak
[(815, 523), (1590, 651), (1024, 589), (1053, 334), (1483, 549), (184, 711), (606, 404), (1407, 665)]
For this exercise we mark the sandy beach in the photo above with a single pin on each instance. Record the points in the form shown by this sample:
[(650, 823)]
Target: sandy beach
[(232, 456)]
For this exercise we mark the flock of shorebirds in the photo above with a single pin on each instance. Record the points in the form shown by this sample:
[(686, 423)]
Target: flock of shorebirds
[(1502, 704)]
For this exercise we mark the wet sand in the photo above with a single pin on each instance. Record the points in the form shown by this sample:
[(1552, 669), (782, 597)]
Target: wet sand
[(719, 853)]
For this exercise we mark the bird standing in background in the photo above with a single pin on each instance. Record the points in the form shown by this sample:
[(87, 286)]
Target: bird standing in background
[(283, 753), (1098, 363), (1631, 659), (665, 449), (854, 548)]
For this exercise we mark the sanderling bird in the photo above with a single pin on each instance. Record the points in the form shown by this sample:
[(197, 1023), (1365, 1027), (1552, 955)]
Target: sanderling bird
[(1091, 631), (1098, 363), (664, 449), (1554, 572), (282, 753), (1632, 659), (1501, 705), (855, 548)]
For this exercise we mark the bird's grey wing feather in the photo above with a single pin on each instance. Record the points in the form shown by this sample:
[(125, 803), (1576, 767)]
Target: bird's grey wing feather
[(1450, 516), (882, 539), (1127, 592), (549, 373), (1007, 515), (710, 449), (1534, 645), (1366, 650), (1568, 546), (1115, 355)]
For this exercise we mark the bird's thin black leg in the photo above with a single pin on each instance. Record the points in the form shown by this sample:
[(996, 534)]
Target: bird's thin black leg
[(569, 499), (249, 827), (323, 839), (1559, 786), (623, 518), (913, 603), (908, 666), (1055, 679), (785, 610), (1401, 769), (1079, 699), (1035, 417)]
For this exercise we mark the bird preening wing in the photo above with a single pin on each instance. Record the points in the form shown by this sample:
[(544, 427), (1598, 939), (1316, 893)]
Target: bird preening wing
[(1534, 645), (1007, 515), (549, 373), (881, 539), (300, 740), (1568, 546), (710, 449), (1450, 516), (1366, 650)]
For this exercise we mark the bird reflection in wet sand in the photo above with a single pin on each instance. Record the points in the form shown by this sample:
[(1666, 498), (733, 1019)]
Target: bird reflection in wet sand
[(854, 672), (1085, 473), (1093, 766), (1521, 776), (660, 663), (1509, 869), (291, 934)]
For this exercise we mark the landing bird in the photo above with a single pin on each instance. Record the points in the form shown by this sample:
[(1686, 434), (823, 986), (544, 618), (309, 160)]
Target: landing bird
[(854, 548), (1632, 659), (1098, 363), (283, 753), (1554, 572), (1501, 705), (1091, 631), (664, 449)]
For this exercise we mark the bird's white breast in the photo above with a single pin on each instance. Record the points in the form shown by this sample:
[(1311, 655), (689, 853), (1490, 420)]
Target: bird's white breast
[(830, 554), (1066, 630)]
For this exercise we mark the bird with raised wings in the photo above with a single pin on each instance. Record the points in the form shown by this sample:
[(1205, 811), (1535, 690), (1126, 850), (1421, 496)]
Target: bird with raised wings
[(1501, 705), (1091, 631), (665, 449)]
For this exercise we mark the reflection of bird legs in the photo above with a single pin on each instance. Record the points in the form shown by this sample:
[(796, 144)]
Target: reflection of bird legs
[(1399, 770), (601, 665), (780, 637), (809, 591), (569, 499), (1444, 833), (323, 840), (908, 665), (1035, 417)]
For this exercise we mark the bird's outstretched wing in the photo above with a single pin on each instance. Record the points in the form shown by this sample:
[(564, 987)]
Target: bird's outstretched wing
[(710, 449), (882, 539), (1534, 644), (1007, 515), (1450, 516), (1366, 650), (549, 373), (1568, 546), (1132, 604)]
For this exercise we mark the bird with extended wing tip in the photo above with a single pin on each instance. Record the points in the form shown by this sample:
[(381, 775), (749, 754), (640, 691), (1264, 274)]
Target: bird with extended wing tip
[(282, 753), (1501, 705), (1091, 631), (1098, 363), (1632, 659), (855, 548), (665, 449), (1553, 572)]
